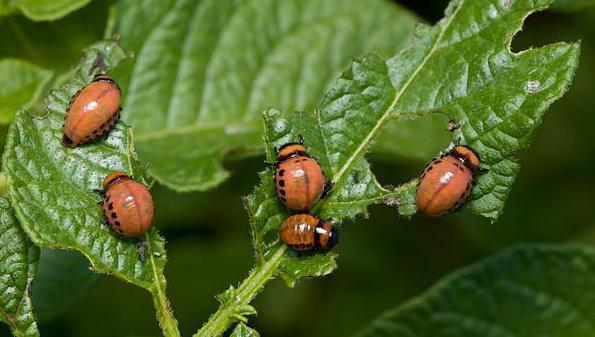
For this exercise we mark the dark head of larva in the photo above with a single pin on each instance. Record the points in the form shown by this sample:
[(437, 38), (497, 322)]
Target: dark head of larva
[(114, 177), (467, 156), (107, 79), (291, 150), (66, 141), (326, 236)]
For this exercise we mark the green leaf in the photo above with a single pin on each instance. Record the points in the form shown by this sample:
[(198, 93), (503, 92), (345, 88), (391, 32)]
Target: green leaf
[(53, 45), (572, 5), (21, 86), (205, 69), (19, 258), (461, 67), (241, 330), (42, 10), (51, 187), (62, 278), (533, 290), (239, 310)]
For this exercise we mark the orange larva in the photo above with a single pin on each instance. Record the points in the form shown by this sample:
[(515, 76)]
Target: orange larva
[(305, 233), (93, 111), (128, 205), (447, 181), (299, 179)]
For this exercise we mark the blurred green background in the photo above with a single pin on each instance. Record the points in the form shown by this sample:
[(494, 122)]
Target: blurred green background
[(384, 260)]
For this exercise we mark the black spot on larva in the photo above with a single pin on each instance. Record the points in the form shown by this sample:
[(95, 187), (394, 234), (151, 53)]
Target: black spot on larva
[(117, 223), (281, 173), (114, 215), (67, 141), (282, 191), (283, 199), (110, 206), (282, 183)]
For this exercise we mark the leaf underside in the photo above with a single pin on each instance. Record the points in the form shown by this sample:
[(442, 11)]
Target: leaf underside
[(461, 67), (42, 10), (52, 186), (44, 43), (205, 70), (533, 290), (17, 271)]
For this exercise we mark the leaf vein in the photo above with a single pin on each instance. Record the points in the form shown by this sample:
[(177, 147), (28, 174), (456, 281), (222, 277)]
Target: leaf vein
[(385, 116)]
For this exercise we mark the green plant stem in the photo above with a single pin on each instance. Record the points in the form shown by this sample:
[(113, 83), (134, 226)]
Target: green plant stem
[(248, 289), (168, 323)]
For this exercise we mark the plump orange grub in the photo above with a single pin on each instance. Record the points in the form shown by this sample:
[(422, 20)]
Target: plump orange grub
[(305, 233), (93, 111), (447, 181), (128, 205), (299, 179)]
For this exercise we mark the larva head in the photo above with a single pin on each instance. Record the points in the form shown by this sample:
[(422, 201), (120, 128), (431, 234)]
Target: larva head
[(113, 177), (290, 150), (467, 156), (107, 79), (326, 236)]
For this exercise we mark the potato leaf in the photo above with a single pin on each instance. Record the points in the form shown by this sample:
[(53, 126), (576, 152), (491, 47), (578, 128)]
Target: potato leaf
[(52, 187), (206, 69), (21, 85), (461, 67), (44, 43), (532, 290), (19, 258), (42, 10)]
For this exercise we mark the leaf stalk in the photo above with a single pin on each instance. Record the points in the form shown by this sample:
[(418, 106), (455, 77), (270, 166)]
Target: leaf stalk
[(168, 323)]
